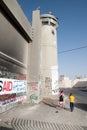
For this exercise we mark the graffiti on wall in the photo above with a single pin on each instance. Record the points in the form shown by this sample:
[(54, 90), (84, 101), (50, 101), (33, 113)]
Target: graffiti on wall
[(35, 91), (48, 82), (33, 86), (7, 98), (12, 91), (55, 87), (8, 86)]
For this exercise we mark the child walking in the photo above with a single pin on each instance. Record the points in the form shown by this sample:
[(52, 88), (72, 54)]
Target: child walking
[(61, 99), (72, 100)]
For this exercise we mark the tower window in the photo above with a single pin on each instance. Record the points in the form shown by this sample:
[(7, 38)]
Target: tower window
[(52, 24), (44, 22), (53, 32)]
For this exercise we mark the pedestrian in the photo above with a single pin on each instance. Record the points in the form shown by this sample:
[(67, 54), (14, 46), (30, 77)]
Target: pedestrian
[(61, 99), (72, 100)]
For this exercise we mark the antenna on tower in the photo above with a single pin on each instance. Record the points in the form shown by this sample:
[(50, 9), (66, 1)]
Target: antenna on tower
[(38, 8), (50, 13)]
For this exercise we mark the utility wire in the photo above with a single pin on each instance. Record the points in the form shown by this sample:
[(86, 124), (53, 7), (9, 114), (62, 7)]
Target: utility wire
[(73, 49)]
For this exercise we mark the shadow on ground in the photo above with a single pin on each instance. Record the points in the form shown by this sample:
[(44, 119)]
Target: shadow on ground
[(5, 125), (82, 106), (5, 128), (50, 104), (84, 127), (83, 90), (53, 103)]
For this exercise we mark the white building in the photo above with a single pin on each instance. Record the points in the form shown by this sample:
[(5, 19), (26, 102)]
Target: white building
[(79, 83), (65, 82)]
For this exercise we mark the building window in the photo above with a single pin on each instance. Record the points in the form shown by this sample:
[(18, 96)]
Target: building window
[(53, 32)]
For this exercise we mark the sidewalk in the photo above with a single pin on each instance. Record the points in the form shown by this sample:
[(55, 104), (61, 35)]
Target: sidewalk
[(43, 116)]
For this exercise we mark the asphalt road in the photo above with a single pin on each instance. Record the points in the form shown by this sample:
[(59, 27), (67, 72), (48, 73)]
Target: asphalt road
[(80, 97)]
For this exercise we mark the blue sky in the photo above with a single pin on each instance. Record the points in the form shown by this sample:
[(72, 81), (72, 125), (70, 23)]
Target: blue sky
[(72, 32)]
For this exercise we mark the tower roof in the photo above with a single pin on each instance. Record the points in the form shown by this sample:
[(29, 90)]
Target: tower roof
[(49, 19)]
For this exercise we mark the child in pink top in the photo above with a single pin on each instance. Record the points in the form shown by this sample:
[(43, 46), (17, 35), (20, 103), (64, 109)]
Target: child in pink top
[(61, 99)]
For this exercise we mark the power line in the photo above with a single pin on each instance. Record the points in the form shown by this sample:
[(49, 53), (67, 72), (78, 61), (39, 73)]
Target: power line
[(73, 49)]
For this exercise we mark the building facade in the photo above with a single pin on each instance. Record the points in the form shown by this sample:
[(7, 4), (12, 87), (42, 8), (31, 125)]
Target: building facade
[(28, 55), (15, 36)]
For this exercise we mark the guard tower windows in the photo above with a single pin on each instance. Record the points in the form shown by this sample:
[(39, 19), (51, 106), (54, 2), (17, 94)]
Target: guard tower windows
[(45, 22)]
